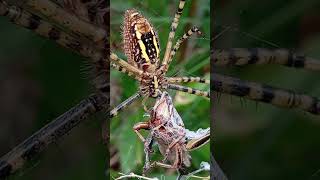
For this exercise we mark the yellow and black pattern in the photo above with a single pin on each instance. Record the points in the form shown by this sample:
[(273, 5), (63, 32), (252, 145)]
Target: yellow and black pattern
[(173, 29), (141, 42), (180, 41), (122, 63), (45, 29), (69, 21), (125, 71), (187, 79), (264, 93), (262, 56), (189, 90), (142, 49)]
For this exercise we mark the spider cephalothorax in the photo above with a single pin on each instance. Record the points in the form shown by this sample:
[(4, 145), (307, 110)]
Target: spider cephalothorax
[(151, 84)]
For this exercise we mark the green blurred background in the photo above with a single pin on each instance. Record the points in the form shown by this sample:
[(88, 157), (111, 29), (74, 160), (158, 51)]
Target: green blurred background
[(266, 142), (192, 60)]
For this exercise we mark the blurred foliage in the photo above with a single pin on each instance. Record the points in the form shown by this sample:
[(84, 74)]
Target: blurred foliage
[(192, 61), (261, 141)]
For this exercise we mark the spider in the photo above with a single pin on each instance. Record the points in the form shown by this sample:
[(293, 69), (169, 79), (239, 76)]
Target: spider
[(141, 45), (121, 132), (261, 135)]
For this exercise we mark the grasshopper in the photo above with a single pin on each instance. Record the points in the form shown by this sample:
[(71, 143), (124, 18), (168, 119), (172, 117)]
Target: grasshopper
[(174, 140)]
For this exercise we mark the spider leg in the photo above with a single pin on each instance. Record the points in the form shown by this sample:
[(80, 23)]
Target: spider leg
[(122, 63), (263, 93), (52, 132), (125, 71), (127, 102), (179, 42), (38, 25), (71, 23), (173, 29), (189, 90), (187, 80), (262, 56)]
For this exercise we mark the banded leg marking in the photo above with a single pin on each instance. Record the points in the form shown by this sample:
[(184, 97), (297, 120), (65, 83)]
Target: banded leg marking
[(179, 42), (187, 80), (264, 93), (189, 90), (125, 71), (122, 63), (262, 56), (94, 11), (173, 29), (43, 28), (69, 21), (52, 132), (127, 102)]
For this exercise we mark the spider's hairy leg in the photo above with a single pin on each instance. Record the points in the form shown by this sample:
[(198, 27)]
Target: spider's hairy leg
[(68, 21), (93, 11), (122, 63), (179, 42), (173, 29), (262, 56), (52, 132), (125, 71), (264, 93), (189, 90), (43, 28), (127, 102), (187, 80)]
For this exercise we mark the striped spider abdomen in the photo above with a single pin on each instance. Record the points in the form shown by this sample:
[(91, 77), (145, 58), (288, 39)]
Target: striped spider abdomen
[(141, 43)]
